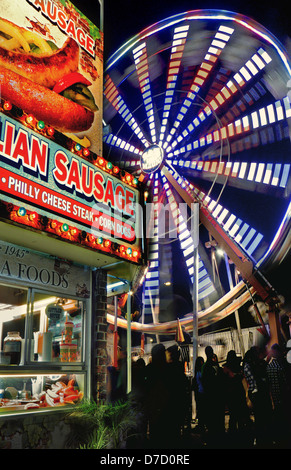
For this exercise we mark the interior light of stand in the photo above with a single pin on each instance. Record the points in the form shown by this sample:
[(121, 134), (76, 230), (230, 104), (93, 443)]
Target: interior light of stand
[(86, 152), (30, 119), (40, 125), (65, 227), (53, 224), (21, 212), (50, 131), (101, 161), (116, 284), (90, 238), (33, 216), (7, 106), (74, 231)]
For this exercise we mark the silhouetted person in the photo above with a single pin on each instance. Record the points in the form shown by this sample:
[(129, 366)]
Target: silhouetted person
[(277, 376), (137, 399), (112, 378), (239, 416), (138, 379), (255, 372), (121, 385), (116, 379), (179, 395), (157, 397), (197, 386), (213, 385)]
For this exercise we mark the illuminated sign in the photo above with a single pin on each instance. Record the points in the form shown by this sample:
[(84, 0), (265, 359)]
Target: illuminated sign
[(152, 158), (53, 176), (38, 172), (52, 66)]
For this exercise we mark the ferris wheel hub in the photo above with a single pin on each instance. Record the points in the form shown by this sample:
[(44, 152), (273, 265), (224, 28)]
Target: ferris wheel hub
[(152, 158)]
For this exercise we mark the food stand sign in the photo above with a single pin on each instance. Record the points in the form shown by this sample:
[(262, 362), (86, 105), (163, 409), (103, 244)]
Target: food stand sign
[(51, 59), (51, 122), (52, 180)]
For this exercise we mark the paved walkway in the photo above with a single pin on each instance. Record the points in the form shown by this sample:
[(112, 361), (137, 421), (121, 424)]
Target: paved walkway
[(194, 438)]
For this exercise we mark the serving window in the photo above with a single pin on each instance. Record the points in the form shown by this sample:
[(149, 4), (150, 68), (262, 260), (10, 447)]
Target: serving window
[(42, 356), (57, 334)]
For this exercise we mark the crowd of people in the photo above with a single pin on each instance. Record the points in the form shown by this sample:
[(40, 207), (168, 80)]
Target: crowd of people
[(254, 392), (243, 403), (160, 394)]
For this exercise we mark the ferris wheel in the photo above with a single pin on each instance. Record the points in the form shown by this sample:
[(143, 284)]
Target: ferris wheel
[(196, 106)]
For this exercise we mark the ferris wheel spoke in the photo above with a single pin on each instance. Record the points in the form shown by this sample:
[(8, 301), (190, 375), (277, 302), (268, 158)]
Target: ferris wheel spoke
[(206, 286), (114, 97), (177, 49), (142, 67), (218, 43), (152, 278), (131, 165), (121, 144), (265, 116), (274, 175), (148, 180), (242, 233), (245, 74)]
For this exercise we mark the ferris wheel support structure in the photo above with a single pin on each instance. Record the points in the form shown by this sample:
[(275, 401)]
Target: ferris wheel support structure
[(241, 261)]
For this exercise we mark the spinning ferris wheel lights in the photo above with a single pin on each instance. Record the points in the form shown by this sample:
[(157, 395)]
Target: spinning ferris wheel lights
[(197, 117)]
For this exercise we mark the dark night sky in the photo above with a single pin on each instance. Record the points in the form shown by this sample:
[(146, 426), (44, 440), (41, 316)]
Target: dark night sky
[(125, 18)]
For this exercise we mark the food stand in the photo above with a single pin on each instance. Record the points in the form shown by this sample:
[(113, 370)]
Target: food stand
[(68, 217)]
